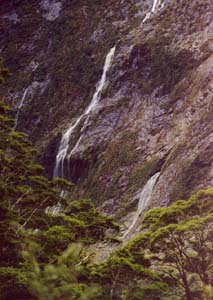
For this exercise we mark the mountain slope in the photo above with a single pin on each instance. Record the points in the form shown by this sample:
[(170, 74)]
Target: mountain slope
[(155, 109)]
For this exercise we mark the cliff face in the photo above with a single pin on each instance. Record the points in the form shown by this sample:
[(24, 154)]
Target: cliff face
[(155, 109)]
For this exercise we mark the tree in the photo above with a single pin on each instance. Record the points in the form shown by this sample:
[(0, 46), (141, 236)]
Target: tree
[(174, 250), (181, 242), (65, 279), (31, 235)]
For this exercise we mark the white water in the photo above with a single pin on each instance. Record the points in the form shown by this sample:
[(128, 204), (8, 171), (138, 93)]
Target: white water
[(155, 6), (63, 149), (144, 200), (96, 97), (19, 107), (64, 144), (155, 3)]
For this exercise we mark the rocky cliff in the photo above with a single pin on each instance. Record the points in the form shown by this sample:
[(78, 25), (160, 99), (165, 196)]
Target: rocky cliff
[(154, 112)]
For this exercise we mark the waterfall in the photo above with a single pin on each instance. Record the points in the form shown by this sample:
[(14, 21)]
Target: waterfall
[(96, 97), (144, 200), (156, 4), (63, 149), (64, 144), (19, 108)]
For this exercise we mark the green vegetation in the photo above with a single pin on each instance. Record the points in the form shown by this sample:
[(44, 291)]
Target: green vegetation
[(43, 254), (174, 250), (33, 239)]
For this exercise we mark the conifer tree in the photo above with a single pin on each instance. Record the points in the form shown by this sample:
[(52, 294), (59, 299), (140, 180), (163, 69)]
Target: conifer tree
[(33, 239)]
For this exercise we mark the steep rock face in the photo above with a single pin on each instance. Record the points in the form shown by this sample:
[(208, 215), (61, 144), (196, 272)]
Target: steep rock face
[(155, 111)]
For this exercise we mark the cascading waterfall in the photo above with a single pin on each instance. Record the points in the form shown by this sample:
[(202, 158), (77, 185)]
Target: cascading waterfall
[(63, 148), (156, 4), (64, 144), (144, 200), (19, 107), (96, 97)]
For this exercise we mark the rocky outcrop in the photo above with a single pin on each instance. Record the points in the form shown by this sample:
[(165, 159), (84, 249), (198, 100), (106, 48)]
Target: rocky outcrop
[(155, 112)]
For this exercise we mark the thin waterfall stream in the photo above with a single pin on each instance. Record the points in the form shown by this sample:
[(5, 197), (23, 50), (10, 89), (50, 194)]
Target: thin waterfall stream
[(143, 201), (157, 4), (64, 144), (19, 108)]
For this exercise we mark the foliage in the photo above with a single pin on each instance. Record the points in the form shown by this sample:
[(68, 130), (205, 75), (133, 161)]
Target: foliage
[(33, 238), (174, 250), (41, 250), (183, 234), (41, 260), (61, 280)]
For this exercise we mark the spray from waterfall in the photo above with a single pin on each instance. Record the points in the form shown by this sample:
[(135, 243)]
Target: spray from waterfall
[(144, 200), (64, 144), (19, 108)]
